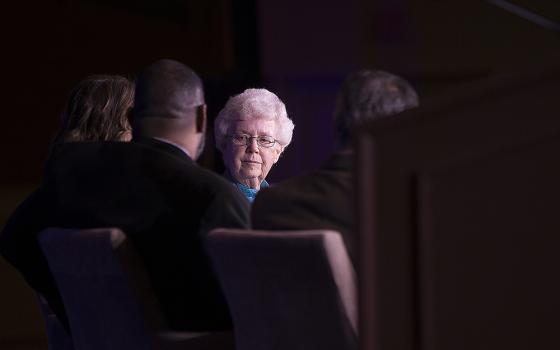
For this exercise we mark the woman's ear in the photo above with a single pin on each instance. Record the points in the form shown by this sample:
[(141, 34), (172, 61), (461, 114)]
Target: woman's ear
[(278, 152)]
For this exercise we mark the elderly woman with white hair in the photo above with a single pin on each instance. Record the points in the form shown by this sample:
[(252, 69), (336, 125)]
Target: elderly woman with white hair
[(252, 131)]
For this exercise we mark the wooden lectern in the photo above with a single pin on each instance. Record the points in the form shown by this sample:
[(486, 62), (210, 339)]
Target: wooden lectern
[(459, 221)]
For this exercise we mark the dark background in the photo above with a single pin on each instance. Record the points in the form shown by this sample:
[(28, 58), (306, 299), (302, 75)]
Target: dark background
[(301, 50)]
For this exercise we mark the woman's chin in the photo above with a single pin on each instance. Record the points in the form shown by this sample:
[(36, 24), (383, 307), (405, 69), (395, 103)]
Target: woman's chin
[(250, 177)]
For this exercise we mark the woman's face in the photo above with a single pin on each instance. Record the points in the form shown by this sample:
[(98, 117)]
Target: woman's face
[(249, 164)]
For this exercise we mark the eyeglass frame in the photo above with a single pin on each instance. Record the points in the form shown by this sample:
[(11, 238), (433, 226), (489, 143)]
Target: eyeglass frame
[(249, 139)]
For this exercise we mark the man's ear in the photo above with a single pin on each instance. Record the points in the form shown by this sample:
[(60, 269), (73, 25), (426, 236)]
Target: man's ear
[(201, 119)]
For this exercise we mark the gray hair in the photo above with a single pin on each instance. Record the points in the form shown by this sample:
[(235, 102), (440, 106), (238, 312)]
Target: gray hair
[(370, 94), (254, 104)]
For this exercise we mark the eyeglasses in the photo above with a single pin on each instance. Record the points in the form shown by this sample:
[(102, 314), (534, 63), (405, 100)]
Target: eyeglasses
[(245, 140)]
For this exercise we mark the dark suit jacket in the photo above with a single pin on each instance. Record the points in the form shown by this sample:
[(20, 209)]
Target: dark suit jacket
[(322, 199), (158, 196)]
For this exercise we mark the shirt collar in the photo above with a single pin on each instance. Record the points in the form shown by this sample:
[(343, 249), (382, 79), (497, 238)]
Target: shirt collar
[(250, 193)]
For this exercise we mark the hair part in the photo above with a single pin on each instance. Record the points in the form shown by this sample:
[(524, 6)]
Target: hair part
[(370, 94), (98, 109), (254, 104)]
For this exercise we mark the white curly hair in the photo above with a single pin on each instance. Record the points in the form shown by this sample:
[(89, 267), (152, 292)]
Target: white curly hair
[(254, 103)]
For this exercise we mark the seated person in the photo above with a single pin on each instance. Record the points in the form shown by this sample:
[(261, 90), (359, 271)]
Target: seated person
[(152, 189), (323, 199), (251, 131)]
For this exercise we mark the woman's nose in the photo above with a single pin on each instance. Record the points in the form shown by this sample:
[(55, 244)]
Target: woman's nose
[(252, 146)]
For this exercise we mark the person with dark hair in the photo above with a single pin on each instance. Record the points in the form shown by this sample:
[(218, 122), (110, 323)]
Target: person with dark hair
[(152, 189), (98, 109), (323, 199)]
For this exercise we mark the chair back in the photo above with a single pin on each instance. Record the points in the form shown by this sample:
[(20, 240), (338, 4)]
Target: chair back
[(95, 271), (107, 295), (287, 290), (57, 337)]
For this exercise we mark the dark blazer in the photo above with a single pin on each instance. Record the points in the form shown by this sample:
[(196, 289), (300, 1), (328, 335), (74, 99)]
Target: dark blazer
[(322, 199), (159, 197)]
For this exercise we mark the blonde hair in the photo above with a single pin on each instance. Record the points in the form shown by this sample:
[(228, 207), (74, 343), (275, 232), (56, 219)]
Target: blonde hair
[(98, 109)]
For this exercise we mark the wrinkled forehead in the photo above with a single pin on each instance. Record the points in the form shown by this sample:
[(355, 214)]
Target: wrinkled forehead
[(253, 126)]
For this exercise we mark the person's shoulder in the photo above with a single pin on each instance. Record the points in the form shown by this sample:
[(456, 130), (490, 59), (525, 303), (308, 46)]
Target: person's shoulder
[(279, 195), (225, 205), (292, 186), (223, 191), (184, 171), (83, 153), (217, 182), (312, 187), (158, 161), (81, 150)]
